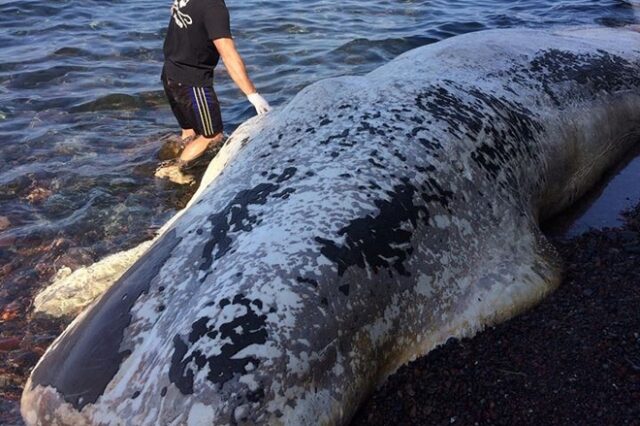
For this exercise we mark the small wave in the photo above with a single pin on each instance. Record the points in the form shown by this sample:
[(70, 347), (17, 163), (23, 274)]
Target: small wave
[(365, 51), (141, 53), (122, 102), (72, 52), (451, 29), (46, 77)]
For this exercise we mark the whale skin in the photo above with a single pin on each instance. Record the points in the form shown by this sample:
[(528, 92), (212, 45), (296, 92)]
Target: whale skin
[(355, 228)]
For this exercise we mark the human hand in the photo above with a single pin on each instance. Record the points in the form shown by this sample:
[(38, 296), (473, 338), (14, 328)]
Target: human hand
[(260, 104)]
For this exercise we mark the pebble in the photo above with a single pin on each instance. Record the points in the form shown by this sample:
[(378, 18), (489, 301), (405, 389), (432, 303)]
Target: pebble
[(7, 241), (4, 223), (629, 236), (25, 360), (7, 380), (6, 269), (10, 311), (9, 344), (632, 248), (37, 195)]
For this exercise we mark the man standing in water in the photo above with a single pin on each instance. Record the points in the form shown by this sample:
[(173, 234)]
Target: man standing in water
[(199, 34)]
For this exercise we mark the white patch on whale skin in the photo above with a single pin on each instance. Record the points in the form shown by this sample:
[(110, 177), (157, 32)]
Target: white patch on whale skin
[(201, 414)]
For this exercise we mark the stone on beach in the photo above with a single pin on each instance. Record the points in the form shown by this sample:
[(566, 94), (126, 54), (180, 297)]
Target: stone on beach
[(9, 344)]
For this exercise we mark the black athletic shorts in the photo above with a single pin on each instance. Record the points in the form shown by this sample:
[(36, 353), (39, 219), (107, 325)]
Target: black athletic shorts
[(195, 108)]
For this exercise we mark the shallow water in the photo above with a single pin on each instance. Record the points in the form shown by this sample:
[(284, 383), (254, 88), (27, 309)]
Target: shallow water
[(605, 204), (81, 104)]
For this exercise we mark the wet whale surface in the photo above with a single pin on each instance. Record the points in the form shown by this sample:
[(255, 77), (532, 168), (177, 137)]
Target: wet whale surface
[(354, 229)]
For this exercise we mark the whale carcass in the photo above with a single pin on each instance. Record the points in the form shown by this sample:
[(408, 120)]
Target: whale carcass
[(357, 227)]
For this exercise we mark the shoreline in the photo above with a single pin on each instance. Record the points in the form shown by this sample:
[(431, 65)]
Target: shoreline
[(572, 359)]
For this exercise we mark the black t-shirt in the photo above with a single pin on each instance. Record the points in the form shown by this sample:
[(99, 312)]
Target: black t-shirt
[(189, 53)]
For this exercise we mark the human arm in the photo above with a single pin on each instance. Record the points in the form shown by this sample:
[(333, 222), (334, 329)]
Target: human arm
[(237, 71)]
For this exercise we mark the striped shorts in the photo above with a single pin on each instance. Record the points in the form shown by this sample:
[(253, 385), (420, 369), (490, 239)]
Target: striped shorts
[(195, 108)]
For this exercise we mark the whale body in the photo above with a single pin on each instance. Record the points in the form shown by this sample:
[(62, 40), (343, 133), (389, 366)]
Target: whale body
[(354, 229)]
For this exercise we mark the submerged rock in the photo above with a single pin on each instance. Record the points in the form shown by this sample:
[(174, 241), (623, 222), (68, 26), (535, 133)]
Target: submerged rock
[(4, 223), (171, 148), (38, 195)]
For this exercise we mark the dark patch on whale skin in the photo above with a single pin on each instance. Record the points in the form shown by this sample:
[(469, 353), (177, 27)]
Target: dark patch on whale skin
[(601, 72), (287, 174), (378, 241), (509, 129), (460, 116), (223, 367), (235, 216), (324, 120), (89, 356), (509, 144), (509, 132), (342, 137), (436, 193), (304, 280), (285, 194)]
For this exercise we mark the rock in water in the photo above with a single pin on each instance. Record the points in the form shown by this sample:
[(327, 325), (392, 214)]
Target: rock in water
[(356, 228), (171, 146), (4, 223)]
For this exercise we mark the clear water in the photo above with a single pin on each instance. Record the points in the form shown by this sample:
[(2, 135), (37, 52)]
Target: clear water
[(601, 207)]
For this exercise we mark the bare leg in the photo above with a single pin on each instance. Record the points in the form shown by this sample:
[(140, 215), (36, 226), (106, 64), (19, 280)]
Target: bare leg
[(196, 147), (187, 133)]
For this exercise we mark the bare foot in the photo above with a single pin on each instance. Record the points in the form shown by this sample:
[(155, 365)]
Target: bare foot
[(197, 147), (188, 134)]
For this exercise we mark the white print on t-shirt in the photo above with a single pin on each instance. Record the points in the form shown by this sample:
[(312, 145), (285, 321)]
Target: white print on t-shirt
[(182, 19)]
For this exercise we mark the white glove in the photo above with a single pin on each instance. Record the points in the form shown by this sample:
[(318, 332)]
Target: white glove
[(261, 105)]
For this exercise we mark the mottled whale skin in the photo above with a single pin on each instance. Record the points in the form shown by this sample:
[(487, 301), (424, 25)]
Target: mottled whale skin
[(350, 231)]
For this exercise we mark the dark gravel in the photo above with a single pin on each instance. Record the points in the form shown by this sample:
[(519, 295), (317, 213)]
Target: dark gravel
[(572, 360)]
